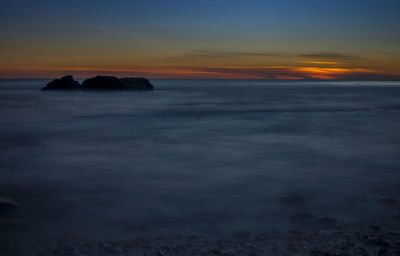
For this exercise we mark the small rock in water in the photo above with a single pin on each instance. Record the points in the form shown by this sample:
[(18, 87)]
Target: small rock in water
[(137, 228), (310, 221), (292, 200), (375, 228), (302, 218), (215, 252), (12, 225), (7, 206), (326, 222), (389, 202), (241, 235), (160, 253)]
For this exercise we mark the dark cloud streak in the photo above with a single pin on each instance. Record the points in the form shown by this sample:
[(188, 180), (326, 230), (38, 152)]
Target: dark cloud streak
[(330, 56), (220, 54), (227, 54)]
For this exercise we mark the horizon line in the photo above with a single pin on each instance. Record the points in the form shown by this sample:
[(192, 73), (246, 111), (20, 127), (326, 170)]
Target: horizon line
[(259, 79)]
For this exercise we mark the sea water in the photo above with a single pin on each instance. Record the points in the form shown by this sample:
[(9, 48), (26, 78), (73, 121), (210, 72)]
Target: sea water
[(196, 156)]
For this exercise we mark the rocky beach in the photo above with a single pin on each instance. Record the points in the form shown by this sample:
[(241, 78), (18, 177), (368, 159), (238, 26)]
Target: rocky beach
[(340, 241)]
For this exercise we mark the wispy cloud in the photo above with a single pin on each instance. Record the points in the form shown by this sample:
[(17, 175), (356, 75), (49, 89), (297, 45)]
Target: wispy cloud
[(226, 54), (321, 62), (204, 55), (329, 56), (322, 58)]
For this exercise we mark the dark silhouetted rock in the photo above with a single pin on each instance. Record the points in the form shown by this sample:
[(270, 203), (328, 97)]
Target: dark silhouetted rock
[(7, 206), (138, 83), (326, 223), (138, 228), (391, 202), (12, 225), (302, 217), (64, 83), (241, 235), (311, 222), (103, 83), (100, 83), (292, 201), (114, 83)]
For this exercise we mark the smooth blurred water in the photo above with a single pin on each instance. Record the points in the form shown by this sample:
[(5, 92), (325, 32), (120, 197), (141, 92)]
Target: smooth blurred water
[(195, 156)]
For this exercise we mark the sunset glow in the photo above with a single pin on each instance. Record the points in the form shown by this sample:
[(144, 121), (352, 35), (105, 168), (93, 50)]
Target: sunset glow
[(209, 40)]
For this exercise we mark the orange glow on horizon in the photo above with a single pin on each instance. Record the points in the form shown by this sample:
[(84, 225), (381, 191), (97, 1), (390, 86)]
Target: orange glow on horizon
[(209, 72), (320, 62)]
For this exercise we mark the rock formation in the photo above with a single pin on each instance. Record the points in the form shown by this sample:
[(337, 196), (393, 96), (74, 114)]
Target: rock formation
[(7, 206), (64, 83), (100, 83), (113, 83)]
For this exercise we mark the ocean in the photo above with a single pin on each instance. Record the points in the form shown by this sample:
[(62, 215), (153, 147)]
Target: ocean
[(206, 157)]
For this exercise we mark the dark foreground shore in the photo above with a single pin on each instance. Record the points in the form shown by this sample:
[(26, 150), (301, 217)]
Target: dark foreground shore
[(343, 240)]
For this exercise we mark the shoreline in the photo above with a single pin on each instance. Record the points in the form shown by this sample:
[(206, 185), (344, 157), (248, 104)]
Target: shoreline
[(343, 240)]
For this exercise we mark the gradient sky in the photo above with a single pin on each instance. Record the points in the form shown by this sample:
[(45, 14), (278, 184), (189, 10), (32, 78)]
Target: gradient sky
[(285, 39)]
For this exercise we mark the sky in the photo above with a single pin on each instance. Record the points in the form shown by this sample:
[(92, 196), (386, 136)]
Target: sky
[(218, 39)]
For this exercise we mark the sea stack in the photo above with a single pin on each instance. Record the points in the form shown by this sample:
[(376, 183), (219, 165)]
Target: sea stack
[(114, 83), (64, 83), (100, 83)]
